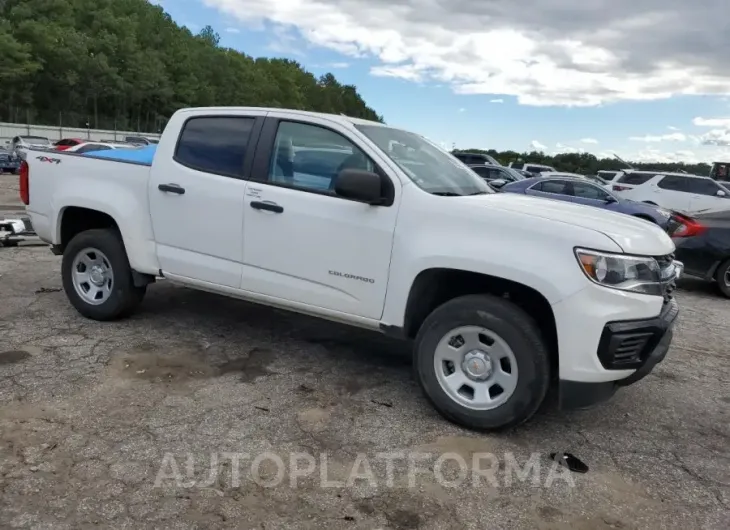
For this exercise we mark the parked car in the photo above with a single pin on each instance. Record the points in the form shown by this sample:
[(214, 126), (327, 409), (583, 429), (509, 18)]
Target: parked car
[(9, 163), (681, 192), (608, 174), (20, 144), (88, 147), (491, 173), (582, 191), (596, 179), (140, 140), (476, 158), (534, 169), (499, 294), (65, 143), (704, 248)]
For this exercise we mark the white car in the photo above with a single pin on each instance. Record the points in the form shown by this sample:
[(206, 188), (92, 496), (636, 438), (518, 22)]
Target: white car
[(535, 169), (20, 144), (500, 294), (87, 147), (680, 192)]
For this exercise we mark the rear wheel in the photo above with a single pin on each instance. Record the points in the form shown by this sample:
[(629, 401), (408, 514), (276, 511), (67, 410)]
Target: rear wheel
[(722, 277), (481, 362), (97, 277)]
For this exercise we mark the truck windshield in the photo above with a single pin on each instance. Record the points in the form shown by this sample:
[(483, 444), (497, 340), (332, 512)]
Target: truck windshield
[(431, 168)]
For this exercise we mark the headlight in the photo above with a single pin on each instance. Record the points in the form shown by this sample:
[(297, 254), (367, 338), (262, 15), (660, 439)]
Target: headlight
[(619, 271)]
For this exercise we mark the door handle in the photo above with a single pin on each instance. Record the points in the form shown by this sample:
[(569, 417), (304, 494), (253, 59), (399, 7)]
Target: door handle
[(172, 188), (268, 206)]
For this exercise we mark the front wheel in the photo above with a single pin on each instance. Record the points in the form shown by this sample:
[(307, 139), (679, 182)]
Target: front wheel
[(97, 277), (481, 362)]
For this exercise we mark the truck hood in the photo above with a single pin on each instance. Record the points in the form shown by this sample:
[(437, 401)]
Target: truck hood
[(634, 236)]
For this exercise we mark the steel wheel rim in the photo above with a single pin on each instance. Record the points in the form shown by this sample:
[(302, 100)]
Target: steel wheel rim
[(727, 277), (472, 364), (92, 276)]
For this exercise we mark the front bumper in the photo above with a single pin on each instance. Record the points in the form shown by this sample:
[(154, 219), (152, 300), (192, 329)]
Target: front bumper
[(631, 344)]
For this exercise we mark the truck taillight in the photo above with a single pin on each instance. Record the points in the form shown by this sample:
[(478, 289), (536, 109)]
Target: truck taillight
[(24, 183), (620, 188)]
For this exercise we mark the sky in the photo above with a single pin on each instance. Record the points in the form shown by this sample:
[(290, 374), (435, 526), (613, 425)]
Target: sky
[(648, 80)]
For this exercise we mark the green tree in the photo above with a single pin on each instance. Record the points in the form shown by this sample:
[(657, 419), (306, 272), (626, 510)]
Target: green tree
[(127, 64)]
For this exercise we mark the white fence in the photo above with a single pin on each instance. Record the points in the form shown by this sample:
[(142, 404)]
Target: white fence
[(10, 130)]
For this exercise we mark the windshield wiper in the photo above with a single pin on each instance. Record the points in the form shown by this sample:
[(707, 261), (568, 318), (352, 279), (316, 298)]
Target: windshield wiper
[(477, 193)]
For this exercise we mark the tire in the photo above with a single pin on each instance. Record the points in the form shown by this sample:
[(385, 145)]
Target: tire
[(722, 278), (121, 296), (503, 320)]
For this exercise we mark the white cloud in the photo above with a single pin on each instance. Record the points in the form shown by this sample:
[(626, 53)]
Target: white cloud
[(339, 65), (719, 137), (712, 122), (673, 137), (233, 30), (286, 42), (537, 146), (589, 141), (546, 52), (496, 101), (672, 128)]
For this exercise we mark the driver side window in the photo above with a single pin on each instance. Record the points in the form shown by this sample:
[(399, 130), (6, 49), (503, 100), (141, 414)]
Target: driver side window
[(309, 157)]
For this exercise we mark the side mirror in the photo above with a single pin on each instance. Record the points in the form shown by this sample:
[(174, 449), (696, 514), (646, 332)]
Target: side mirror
[(721, 193), (611, 199), (359, 185), (497, 183)]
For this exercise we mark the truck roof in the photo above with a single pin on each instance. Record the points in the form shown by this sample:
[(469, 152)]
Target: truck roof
[(346, 120)]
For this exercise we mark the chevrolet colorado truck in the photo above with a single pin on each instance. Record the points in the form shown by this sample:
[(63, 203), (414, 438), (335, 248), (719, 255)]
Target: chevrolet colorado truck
[(354, 221)]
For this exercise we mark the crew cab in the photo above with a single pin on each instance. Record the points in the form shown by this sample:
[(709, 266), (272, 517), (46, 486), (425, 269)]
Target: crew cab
[(500, 294)]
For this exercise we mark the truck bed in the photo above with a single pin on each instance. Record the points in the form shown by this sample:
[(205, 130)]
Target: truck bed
[(56, 177)]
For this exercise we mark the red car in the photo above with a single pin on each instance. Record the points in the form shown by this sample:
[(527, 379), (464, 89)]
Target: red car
[(64, 144)]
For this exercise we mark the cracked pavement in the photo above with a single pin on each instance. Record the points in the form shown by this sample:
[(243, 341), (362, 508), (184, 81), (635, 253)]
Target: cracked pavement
[(89, 411)]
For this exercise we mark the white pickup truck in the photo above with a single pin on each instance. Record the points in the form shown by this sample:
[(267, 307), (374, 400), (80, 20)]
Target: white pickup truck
[(372, 226)]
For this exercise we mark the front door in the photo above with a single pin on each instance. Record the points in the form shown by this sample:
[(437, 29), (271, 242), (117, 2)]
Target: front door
[(196, 195), (302, 242), (705, 195)]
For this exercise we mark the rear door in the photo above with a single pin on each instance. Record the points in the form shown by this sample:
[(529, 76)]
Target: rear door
[(673, 193), (303, 243), (196, 197)]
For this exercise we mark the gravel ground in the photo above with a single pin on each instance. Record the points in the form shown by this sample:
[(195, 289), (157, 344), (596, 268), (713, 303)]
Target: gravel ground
[(99, 422)]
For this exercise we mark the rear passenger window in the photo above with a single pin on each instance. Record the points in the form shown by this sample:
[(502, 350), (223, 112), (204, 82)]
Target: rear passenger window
[(636, 179), (674, 184), (215, 144)]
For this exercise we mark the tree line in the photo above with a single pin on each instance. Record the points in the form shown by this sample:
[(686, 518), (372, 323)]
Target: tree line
[(94, 63), (586, 163)]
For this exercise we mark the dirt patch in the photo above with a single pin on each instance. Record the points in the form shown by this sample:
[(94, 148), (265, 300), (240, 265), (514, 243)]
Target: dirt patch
[(13, 356), (149, 361)]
